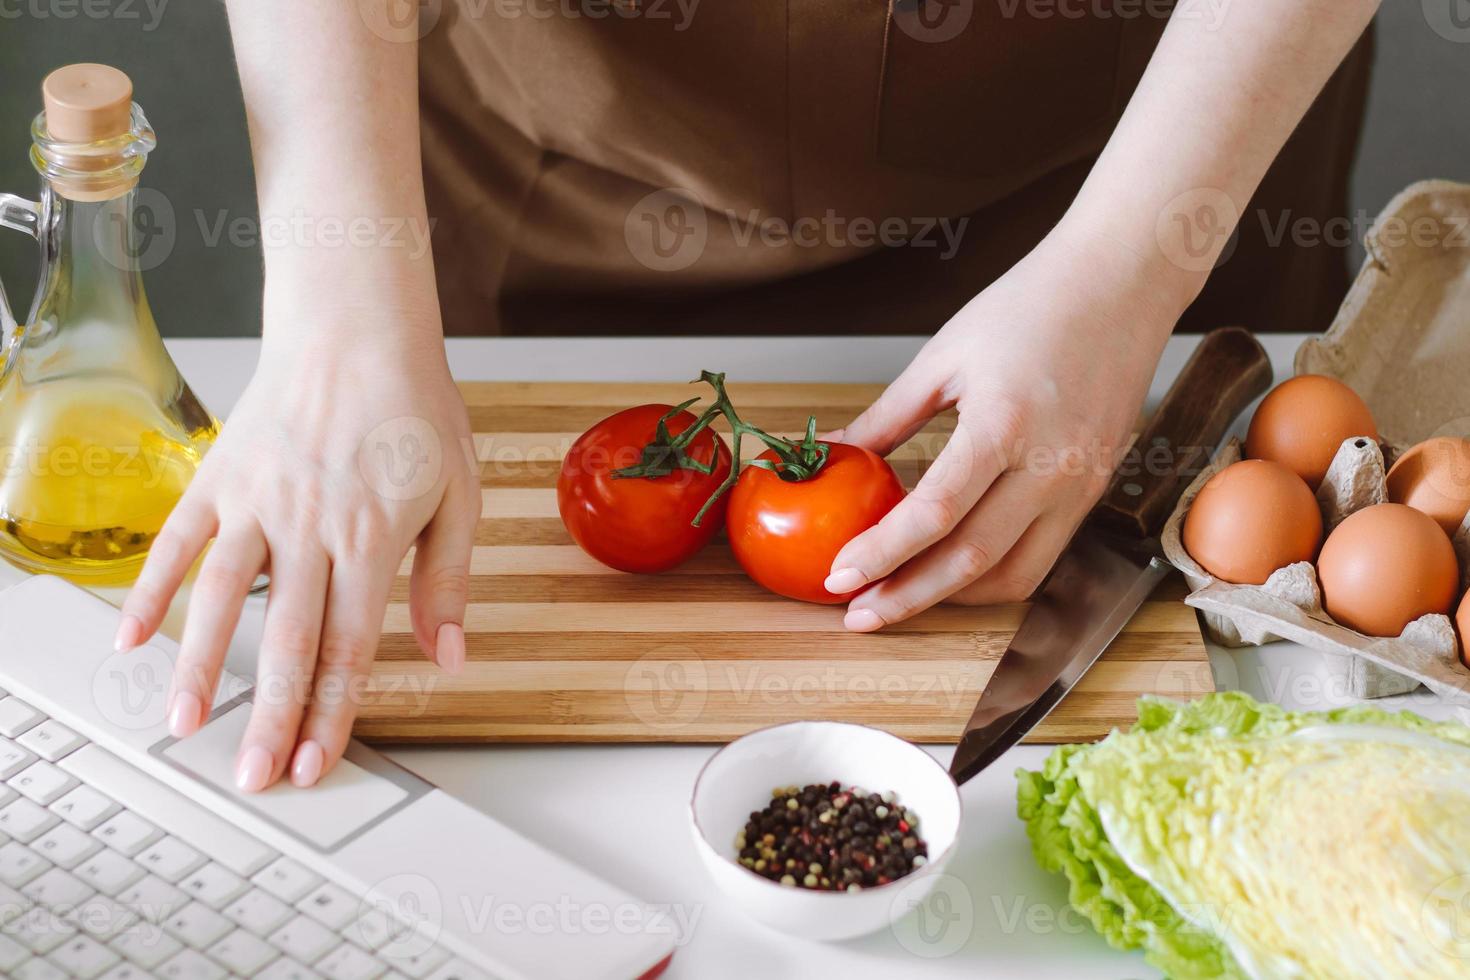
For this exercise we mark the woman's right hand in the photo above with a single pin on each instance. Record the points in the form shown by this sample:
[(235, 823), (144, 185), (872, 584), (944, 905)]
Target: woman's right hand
[(344, 451)]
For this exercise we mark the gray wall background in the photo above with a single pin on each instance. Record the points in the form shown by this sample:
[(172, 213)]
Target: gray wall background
[(178, 54)]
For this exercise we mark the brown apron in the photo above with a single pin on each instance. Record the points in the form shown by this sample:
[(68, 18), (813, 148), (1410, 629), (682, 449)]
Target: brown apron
[(829, 167)]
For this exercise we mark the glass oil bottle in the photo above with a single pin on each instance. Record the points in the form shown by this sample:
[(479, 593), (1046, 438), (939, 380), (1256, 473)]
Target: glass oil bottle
[(100, 434)]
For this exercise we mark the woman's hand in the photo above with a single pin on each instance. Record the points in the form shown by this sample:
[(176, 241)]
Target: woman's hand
[(1048, 369), (336, 460)]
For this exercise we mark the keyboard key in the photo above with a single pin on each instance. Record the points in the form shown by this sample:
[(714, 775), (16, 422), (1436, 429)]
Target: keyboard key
[(19, 864), (14, 904), (287, 880), (287, 969), (17, 717), (214, 885), (146, 946), (198, 925), (40, 930), (101, 917), (258, 912), (51, 740), (153, 898), (243, 953), (374, 929), (57, 889), (330, 905), (108, 871), (39, 969), (83, 957), (25, 821), (13, 758), (347, 962), (189, 965), (65, 846), (458, 970), (126, 971), (84, 807), (127, 832), (304, 939), (417, 966), (170, 859), (12, 954), (225, 843), (42, 782)]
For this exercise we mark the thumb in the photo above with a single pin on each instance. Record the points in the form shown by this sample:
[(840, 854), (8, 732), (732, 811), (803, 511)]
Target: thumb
[(440, 582), (902, 410)]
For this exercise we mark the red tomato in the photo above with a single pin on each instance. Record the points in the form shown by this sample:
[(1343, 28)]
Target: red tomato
[(786, 534), (639, 524)]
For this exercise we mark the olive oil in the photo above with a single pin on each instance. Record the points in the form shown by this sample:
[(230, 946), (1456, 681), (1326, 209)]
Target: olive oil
[(99, 433)]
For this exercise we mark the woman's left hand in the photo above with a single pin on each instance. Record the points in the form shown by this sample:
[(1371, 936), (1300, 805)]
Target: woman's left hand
[(1048, 369)]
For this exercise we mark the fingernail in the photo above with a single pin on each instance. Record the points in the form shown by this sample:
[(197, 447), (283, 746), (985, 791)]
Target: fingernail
[(449, 647), (307, 767), (254, 769), (862, 620), (834, 436), (129, 634), (845, 580), (186, 715)]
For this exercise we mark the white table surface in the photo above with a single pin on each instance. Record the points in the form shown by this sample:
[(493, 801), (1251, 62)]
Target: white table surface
[(620, 810)]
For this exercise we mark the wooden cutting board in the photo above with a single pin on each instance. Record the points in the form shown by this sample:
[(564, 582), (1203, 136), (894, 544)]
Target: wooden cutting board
[(563, 649)]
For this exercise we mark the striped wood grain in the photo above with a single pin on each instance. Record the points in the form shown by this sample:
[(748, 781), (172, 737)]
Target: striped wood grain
[(561, 648)]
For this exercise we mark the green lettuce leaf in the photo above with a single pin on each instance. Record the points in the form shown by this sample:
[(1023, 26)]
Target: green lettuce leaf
[(1150, 778)]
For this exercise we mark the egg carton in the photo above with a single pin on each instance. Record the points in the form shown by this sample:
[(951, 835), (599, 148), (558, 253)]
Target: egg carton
[(1401, 340)]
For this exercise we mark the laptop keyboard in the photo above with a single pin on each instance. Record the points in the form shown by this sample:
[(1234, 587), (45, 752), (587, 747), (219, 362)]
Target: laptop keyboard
[(91, 888)]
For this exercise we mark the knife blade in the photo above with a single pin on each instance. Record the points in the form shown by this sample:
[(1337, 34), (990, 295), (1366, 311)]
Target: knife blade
[(1114, 561)]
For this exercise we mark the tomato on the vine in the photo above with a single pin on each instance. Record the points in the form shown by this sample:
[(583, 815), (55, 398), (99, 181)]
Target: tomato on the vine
[(786, 533), (641, 523)]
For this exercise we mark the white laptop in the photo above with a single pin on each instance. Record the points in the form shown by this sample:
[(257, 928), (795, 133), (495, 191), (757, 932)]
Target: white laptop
[(126, 853)]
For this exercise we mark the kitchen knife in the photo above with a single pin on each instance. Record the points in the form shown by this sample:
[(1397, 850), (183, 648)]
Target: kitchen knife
[(1114, 561)]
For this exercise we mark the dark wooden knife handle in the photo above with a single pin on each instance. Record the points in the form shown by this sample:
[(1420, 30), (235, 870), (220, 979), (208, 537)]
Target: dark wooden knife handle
[(1226, 372)]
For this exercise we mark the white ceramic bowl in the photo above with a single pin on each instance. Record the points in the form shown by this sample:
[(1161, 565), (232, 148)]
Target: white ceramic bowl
[(739, 778)]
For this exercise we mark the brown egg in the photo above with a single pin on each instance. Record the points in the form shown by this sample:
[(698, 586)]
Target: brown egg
[(1434, 477), (1251, 518), (1386, 566), (1462, 626), (1303, 421)]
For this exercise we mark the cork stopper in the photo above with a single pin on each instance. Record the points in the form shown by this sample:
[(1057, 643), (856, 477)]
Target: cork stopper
[(86, 103)]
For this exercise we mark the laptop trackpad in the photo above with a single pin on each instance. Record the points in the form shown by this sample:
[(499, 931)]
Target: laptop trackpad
[(345, 801)]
